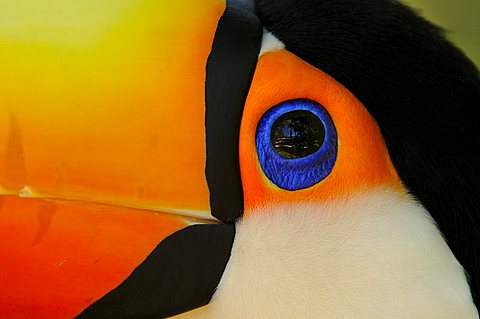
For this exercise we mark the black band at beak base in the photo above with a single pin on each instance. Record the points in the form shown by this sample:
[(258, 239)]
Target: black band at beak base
[(230, 70)]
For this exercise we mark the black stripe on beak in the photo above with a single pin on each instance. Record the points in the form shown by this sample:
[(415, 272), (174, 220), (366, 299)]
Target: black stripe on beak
[(230, 70)]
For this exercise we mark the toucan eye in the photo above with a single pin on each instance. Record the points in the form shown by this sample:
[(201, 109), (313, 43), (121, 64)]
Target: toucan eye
[(296, 144), (297, 134)]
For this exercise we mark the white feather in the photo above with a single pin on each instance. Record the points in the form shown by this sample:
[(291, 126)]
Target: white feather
[(270, 43), (376, 255)]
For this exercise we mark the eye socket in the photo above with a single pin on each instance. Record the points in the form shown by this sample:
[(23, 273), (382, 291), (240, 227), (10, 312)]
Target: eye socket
[(296, 144)]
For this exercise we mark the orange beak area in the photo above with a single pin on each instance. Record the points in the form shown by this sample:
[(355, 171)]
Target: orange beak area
[(362, 159), (58, 257), (102, 143)]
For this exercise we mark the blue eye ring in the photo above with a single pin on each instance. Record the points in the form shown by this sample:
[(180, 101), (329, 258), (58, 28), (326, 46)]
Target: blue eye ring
[(296, 173)]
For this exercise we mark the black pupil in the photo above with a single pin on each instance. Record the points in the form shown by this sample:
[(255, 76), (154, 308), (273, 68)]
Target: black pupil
[(297, 134)]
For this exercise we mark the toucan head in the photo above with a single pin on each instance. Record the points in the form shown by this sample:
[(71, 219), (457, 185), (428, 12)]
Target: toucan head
[(257, 158)]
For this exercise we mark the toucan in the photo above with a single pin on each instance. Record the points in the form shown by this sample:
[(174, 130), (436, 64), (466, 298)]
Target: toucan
[(236, 159)]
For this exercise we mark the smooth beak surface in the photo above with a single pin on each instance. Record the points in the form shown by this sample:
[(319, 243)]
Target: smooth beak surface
[(104, 102)]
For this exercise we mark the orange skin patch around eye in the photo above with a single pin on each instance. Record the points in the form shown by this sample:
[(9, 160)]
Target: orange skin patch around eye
[(58, 257), (362, 160)]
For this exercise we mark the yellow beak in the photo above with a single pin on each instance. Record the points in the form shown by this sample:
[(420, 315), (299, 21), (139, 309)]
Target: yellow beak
[(104, 101)]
